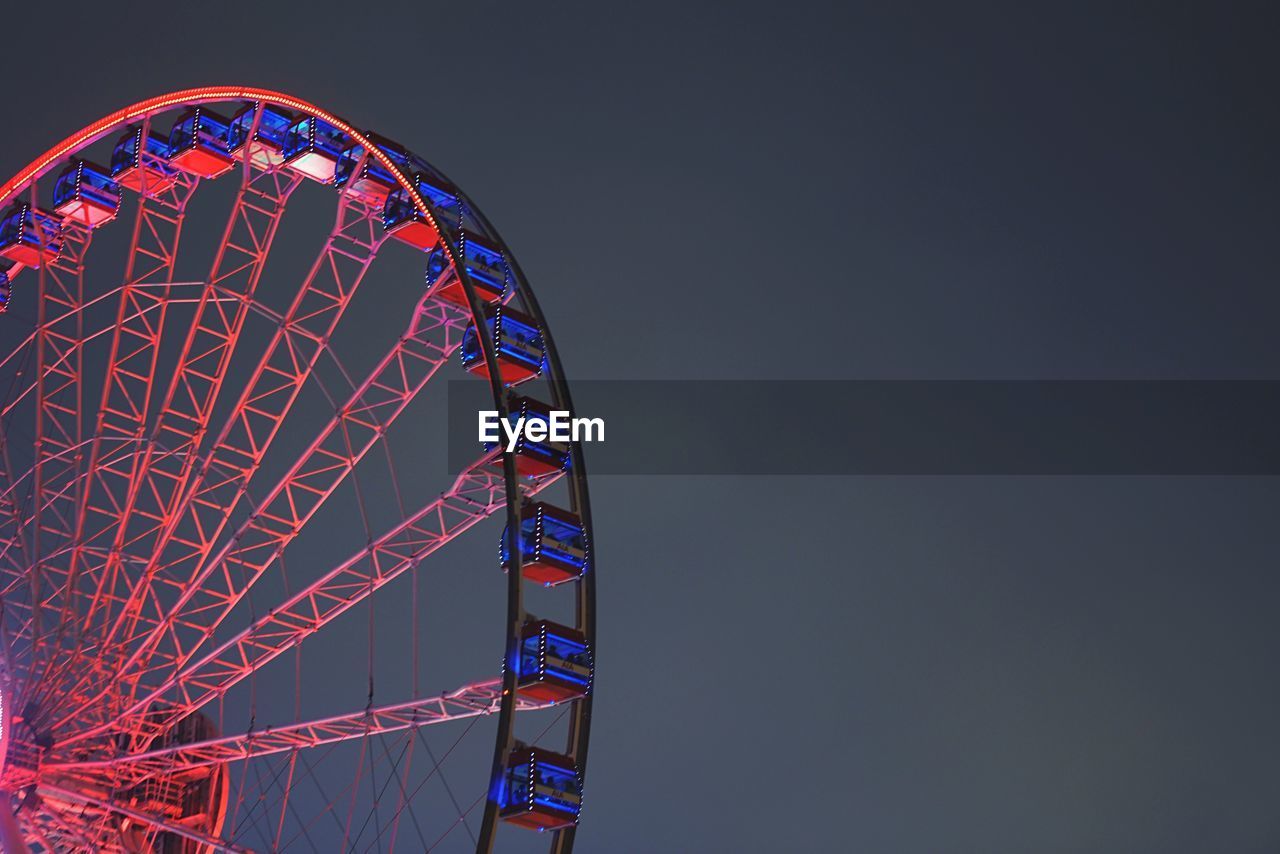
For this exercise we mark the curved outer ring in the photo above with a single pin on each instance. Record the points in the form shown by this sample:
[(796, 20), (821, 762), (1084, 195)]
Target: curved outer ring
[(579, 726)]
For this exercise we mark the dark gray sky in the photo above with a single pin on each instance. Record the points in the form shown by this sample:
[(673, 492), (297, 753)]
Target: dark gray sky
[(793, 190)]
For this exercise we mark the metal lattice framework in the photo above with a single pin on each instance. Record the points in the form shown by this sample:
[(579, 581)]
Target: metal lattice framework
[(168, 448)]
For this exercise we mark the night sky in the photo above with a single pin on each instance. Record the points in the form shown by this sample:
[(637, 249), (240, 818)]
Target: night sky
[(882, 191)]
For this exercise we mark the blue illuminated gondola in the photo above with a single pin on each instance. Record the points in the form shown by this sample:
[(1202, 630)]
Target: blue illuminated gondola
[(517, 340), (540, 789), (85, 193), (442, 198), (485, 264), (488, 271), (438, 265), (198, 143), (554, 663), (30, 237), (403, 221), (267, 146), (553, 542), (133, 163), (533, 458), (367, 178), (312, 148)]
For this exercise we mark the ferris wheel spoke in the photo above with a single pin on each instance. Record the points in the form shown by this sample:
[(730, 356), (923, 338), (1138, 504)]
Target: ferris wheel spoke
[(284, 803), (472, 700), (257, 817), (434, 334), (166, 464), (58, 425), (402, 794), (380, 790), (149, 307), (14, 550), (478, 493), (11, 515), (130, 373), (406, 797), (196, 521), (15, 520), (13, 572), (307, 827), (154, 821), (246, 437)]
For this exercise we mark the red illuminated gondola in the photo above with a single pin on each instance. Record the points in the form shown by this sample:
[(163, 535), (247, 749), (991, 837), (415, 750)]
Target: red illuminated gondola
[(553, 544), (198, 143), (85, 193), (30, 237), (555, 663), (541, 790)]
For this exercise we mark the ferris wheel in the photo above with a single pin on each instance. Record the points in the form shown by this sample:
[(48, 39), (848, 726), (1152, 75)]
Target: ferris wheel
[(214, 458)]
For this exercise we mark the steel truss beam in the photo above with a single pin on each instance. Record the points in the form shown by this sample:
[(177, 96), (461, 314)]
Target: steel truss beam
[(236, 455), (477, 493), (433, 335), (167, 461), (479, 698), (29, 388), (15, 522), (474, 496), (59, 368), (127, 383)]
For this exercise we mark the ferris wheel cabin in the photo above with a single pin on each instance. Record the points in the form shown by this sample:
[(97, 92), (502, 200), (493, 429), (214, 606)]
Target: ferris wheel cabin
[(518, 343), (540, 790), (534, 458), (134, 163), (486, 266), (553, 545), (30, 237), (365, 177), (403, 221), (266, 148), (554, 663), (438, 264), (198, 143), (312, 148), (85, 193)]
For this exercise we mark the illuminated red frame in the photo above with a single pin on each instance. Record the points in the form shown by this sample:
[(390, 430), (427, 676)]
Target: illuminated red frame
[(187, 97)]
